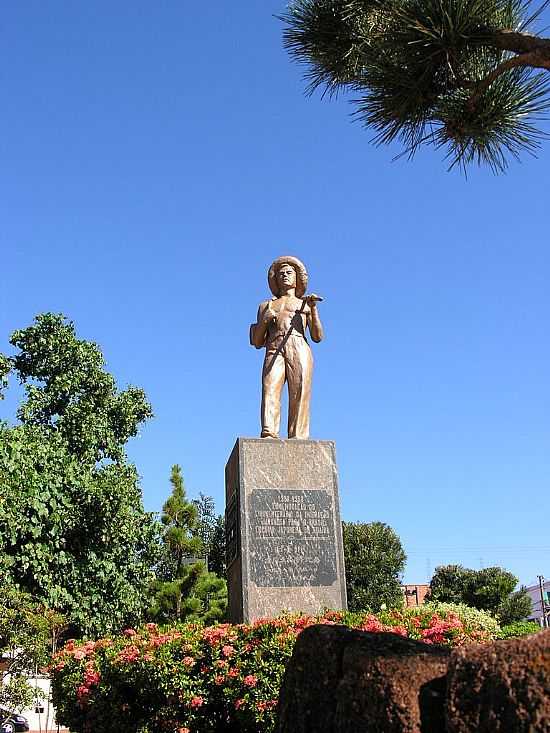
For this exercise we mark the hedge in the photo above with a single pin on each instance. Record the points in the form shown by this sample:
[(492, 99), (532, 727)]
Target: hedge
[(194, 679)]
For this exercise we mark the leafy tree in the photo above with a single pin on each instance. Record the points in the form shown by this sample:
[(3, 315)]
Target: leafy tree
[(211, 530), (374, 559), (515, 608), (216, 554), (184, 589), (458, 74), (489, 589), (73, 532), (28, 636), (448, 584)]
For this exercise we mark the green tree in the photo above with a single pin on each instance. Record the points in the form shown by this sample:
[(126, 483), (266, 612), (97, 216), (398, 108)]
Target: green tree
[(375, 560), (489, 589), (73, 532), (183, 588), (515, 608), (216, 554), (28, 636), (462, 75), (180, 520), (211, 530), (448, 584)]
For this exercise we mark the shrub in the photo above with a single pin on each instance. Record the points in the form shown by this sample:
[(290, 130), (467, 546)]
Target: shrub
[(517, 629), (195, 679)]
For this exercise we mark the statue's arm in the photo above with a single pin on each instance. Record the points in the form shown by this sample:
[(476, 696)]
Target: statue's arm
[(314, 322), (258, 330)]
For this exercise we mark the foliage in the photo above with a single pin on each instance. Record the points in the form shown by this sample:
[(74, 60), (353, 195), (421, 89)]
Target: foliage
[(516, 607), (73, 532), (28, 636), (179, 517), (374, 559), (448, 584), (183, 588), (69, 391), (216, 679), (518, 629), (211, 530), (489, 589), (217, 551), (438, 72)]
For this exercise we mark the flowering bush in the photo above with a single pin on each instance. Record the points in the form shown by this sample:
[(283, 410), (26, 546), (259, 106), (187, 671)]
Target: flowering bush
[(195, 679)]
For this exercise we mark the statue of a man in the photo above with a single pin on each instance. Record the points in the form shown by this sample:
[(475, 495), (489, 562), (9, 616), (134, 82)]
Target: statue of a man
[(281, 327)]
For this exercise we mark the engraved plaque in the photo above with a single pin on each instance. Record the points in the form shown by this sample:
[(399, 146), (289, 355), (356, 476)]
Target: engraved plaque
[(292, 538)]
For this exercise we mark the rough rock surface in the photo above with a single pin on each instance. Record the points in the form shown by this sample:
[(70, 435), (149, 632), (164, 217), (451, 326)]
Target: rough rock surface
[(501, 688), (345, 681)]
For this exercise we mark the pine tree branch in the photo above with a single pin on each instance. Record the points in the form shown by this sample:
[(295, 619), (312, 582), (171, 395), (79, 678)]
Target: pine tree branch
[(524, 59), (533, 50)]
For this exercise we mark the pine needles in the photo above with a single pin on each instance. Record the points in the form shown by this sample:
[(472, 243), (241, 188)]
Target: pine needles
[(426, 72)]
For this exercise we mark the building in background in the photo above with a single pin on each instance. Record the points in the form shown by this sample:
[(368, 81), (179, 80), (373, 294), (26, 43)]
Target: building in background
[(540, 606), (414, 594)]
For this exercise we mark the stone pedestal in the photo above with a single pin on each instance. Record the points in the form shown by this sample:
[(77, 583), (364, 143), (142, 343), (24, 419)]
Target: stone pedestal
[(283, 528)]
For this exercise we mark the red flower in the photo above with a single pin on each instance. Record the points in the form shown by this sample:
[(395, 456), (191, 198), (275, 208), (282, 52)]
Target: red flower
[(250, 680), (188, 661), (196, 702)]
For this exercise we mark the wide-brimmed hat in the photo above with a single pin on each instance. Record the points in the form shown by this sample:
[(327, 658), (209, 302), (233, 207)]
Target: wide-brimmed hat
[(301, 275)]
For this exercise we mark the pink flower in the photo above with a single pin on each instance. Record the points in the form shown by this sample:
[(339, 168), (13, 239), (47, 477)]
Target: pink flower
[(233, 673), (265, 705), (250, 680), (129, 632), (82, 693), (91, 678), (188, 661), (130, 654), (371, 623), (228, 650), (197, 701), (239, 703), (219, 679), (79, 654)]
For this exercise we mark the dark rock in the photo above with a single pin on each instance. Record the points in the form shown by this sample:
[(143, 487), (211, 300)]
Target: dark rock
[(503, 687), (345, 681), (307, 701)]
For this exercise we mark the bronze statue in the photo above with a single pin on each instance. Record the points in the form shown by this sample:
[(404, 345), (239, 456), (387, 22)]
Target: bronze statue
[(281, 328)]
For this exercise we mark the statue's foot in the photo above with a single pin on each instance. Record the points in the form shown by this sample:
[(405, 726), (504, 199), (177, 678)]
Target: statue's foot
[(267, 434)]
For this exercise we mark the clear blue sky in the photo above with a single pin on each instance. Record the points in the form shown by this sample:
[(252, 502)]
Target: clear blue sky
[(156, 157)]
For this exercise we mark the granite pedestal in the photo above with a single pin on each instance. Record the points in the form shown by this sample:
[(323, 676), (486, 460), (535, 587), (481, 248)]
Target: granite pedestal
[(283, 529)]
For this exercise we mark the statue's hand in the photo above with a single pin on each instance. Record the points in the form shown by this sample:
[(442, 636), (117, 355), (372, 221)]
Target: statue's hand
[(313, 299), (269, 315)]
